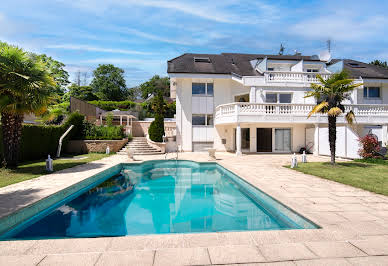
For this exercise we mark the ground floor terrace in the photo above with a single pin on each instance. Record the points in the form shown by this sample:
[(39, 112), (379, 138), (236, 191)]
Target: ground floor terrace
[(353, 223), (292, 138)]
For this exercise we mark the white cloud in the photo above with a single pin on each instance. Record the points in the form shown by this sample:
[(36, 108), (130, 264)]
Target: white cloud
[(95, 49), (341, 28), (208, 10)]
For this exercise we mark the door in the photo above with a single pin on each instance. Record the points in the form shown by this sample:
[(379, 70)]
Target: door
[(264, 139), (282, 139)]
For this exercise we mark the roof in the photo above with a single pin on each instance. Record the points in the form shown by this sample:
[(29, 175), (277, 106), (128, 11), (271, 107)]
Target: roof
[(118, 113), (235, 63)]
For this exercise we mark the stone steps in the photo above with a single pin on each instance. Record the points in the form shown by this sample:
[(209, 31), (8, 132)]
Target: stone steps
[(139, 146)]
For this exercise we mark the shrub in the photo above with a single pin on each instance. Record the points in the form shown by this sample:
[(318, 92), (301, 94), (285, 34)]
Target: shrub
[(39, 140), (369, 147), (78, 120), (109, 120), (156, 129), (104, 133)]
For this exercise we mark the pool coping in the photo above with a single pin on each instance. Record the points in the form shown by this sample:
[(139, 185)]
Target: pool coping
[(362, 236)]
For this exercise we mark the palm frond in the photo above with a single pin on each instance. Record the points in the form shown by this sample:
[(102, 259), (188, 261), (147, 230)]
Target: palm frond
[(317, 108), (350, 117), (334, 111)]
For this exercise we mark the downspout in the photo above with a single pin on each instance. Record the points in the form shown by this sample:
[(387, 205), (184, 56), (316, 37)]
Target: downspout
[(61, 139)]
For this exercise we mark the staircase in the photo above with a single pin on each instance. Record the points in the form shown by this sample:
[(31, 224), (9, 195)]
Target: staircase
[(139, 146)]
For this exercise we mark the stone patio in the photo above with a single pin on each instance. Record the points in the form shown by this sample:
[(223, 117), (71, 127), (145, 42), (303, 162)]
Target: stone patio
[(354, 223)]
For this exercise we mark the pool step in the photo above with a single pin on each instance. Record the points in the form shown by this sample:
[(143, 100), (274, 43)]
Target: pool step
[(139, 146)]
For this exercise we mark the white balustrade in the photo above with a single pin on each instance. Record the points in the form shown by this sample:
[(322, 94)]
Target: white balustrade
[(277, 76), (274, 110)]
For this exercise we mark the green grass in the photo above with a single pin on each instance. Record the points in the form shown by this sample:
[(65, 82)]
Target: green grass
[(370, 175), (30, 170)]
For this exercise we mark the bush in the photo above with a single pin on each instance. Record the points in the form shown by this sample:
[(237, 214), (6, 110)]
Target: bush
[(78, 120), (38, 141), (104, 133), (369, 147), (156, 129)]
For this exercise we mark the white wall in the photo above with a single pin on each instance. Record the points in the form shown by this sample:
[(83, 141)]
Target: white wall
[(183, 114)]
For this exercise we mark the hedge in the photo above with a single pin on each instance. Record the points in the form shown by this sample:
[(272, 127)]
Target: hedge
[(37, 141), (104, 133)]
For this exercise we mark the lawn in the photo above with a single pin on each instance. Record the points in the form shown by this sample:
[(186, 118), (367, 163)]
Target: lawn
[(371, 175), (30, 170)]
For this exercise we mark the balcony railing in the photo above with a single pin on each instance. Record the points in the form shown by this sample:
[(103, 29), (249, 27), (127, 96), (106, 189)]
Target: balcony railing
[(274, 112), (278, 76)]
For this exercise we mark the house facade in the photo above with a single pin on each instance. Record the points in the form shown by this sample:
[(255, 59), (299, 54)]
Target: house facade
[(255, 103)]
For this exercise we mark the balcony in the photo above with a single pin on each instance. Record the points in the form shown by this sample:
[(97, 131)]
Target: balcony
[(302, 77), (293, 113)]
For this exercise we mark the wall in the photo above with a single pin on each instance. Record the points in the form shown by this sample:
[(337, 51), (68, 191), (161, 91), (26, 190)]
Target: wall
[(86, 146), (140, 128), (383, 93)]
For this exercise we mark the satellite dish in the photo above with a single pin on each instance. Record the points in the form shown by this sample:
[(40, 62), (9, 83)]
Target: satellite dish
[(325, 56), (315, 57)]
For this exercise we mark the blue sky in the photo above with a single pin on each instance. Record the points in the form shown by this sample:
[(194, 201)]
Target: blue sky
[(141, 35)]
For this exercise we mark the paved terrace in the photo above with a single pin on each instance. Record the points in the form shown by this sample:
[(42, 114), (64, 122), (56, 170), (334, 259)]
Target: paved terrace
[(354, 224)]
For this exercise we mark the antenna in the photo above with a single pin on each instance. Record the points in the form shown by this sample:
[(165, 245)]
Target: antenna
[(329, 45)]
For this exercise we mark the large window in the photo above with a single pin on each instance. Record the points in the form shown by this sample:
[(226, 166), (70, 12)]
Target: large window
[(371, 92), (202, 89), (278, 98), (282, 139), (202, 120)]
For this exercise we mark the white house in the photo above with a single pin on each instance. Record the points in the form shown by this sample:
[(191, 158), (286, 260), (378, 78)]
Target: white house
[(255, 103)]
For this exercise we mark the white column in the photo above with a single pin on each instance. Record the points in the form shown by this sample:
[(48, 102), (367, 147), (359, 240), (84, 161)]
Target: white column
[(384, 137), (238, 140), (252, 95), (121, 120), (253, 141), (127, 120), (101, 120), (316, 139)]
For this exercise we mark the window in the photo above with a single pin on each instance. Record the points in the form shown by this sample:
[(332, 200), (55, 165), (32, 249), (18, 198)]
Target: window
[(209, 120), (202, 89), (209, 89), (202, 120), (371, 92), (285, 98), (201, 59), (199, 88), (278, 98), (199, 120), (312, 70), (270, 69), (282, 139), (271, 98)]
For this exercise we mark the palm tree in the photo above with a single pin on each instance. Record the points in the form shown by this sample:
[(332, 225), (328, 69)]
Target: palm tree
[(330, 94), (25, 87)]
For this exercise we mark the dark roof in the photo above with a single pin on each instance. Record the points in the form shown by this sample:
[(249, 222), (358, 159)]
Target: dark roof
[(359, 69), (228, 63)]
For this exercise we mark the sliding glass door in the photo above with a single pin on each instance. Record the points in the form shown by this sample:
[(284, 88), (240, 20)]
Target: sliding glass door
[(283, 139)]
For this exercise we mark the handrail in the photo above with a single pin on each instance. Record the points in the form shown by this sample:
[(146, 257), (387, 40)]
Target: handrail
[(61, 139)]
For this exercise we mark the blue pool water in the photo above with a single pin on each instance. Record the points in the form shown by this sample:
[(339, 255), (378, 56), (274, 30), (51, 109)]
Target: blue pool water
[(160, 197)]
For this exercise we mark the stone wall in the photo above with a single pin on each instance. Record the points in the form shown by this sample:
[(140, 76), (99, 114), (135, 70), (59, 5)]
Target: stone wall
[(86, 146), (140, 128)]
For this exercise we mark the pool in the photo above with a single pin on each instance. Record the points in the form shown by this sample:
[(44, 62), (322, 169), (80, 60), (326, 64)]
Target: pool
[(160, 197)]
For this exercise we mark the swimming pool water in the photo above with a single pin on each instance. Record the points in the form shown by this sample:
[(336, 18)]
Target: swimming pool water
[(160, 197)]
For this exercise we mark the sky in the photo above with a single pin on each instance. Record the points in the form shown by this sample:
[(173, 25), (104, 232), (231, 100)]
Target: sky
[(141, 35)]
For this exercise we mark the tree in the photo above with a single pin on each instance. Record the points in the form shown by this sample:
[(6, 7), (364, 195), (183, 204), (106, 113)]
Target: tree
[(380, 63), (108, 83), (155, 84), (25, 87), (84, 93), (156, 129), (330, 94), (57, 71)]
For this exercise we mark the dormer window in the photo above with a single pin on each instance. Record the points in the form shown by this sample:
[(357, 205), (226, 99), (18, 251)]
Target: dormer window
[(270, 69), (312, 70), (201, 59)]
